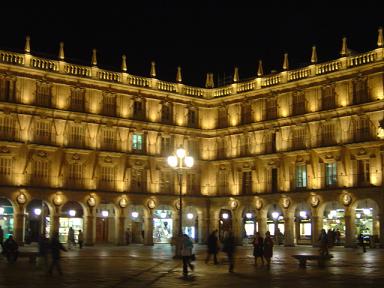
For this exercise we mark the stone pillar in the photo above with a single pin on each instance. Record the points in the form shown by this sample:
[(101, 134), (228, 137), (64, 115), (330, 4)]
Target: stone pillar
[(120, 231), (19, 227), (148, 230), (350, 229), (262, 224), (316, 225), (288, 232), (381, 232), (203, 230), (55, 223), (90, 223), (297, 231), (237, 228)]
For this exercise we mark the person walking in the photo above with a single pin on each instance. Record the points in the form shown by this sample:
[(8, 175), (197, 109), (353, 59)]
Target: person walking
[(229, 246), (362, 242), (43, 251), (11, 249), (186, 253), (1, 237), (80, 239), (268, 248), (56, 248), (323, 243), (258, 248), (213, 247), (71, 238)]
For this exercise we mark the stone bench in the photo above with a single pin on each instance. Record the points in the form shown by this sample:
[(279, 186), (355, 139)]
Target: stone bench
[(321, 259)]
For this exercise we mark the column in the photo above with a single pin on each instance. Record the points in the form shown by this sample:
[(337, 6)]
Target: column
[(120, 231), (316, 226), (55, 224), (237, 228), (89, 230), (18, 227), (288, 232), (381, 232), (203, 230), (297, 231), (148, 230), (350, 229), (262, 224)]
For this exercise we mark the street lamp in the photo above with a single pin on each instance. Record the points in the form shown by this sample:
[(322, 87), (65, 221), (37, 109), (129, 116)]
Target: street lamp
[(180, 162)]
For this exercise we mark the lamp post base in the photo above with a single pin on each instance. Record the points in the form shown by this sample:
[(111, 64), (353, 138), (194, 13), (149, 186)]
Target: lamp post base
[(178, 247)]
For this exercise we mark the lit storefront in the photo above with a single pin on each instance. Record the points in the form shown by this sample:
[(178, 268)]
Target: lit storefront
[(162, 226), (303, 225), (6, 217), (38, 221), (275, 221), (71, 216), (190, 223), (334, 220), (225, 223), (249, 225)]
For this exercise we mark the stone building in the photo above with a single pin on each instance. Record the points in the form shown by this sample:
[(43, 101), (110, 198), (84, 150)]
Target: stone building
[(298, 150)]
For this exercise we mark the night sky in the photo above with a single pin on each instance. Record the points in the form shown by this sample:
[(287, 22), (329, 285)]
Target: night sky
[(200, 36)]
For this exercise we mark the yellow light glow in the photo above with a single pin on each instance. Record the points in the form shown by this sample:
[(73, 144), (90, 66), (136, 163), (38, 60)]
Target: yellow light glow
[(343, 103)]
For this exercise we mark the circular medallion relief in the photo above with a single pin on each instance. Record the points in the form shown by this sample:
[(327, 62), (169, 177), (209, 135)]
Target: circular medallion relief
[(151, 204), (315, 200), (285, 202), (21, 199), (58, 200), (91, 201), (259, 204), (123, 202), (347, 199)]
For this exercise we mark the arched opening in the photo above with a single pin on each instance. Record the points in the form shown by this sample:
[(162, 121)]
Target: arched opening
[(250, 225), (72, 215), (38, 221), (303, 223), (6, 217), (162, 224), (334, 221), (105, 223), (191, 223), (135, 225), (225, 223), (366, 221), (275, 223)]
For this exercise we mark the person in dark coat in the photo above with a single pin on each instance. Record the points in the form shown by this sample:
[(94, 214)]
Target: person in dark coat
[(43, 250), (268, 248), (258, 248), (56, 248), (213, 247), (1, 237), (229, 247), (11, 249)]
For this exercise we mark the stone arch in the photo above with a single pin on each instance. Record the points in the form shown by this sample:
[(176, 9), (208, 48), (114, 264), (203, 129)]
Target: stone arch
[(38, 219)]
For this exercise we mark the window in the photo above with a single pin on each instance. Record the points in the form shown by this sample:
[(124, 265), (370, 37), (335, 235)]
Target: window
[(222, 118), (192, 187), (246, 113), (193, 148), (301, 176), (271, 109), (166, 146), (43, 94), (363, 175), (76, 136), (107, 177), (220, 149), (246, 182), (7, 128), (109, 105), (330, 174), (109, 139), (328, 100), (6, 89), (40, 172), (6, 165), (363, 130), (192, 118), (138, 180), (298, 103), (138, 110), (360, 91), (298, 138), (270, 144), (75, 171), (77, 99), (166, 113), (166, 182), (43, 132), (222, 182), (137, 142), (274, 180), (328, 134)]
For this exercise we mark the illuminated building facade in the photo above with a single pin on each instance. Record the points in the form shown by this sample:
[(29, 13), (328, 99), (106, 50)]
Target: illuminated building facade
[(298, 150)]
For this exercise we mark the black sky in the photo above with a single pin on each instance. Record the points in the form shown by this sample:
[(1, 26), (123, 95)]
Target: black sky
[(200, 36)]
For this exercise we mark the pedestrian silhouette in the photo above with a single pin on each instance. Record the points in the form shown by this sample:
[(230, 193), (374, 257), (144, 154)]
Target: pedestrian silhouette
[(213, 247), (56, 248)]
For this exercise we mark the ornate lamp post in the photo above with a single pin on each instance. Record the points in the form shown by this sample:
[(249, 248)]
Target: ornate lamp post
[(180, 162)]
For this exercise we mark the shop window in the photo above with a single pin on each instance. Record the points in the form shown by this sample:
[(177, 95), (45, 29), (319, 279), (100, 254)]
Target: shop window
[(330, 174), (301, 176)]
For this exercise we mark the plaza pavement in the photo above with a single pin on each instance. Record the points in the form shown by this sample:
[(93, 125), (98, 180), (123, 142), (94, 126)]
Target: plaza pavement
[(140, 266)]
